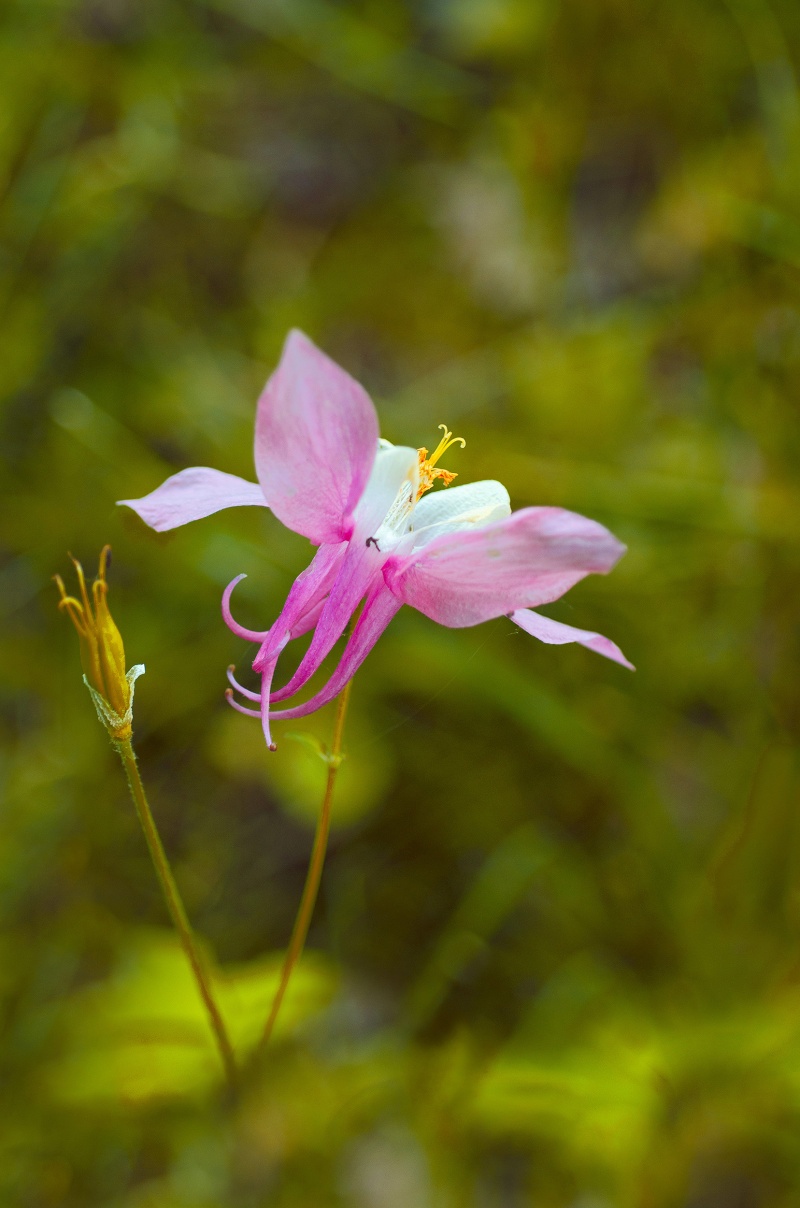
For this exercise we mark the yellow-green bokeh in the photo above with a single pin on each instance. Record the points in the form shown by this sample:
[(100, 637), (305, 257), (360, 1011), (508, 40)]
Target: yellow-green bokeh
[(556, 954)]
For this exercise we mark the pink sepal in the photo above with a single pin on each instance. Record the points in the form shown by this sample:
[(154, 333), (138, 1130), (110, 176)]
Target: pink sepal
[(555, 633), (529, 558), (316, 440), (193, 494)]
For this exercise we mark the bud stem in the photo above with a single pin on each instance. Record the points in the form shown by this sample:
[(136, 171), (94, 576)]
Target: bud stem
[(176, 908)]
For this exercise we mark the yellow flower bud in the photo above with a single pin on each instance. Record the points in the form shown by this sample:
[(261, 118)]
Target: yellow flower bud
[(102, 651)]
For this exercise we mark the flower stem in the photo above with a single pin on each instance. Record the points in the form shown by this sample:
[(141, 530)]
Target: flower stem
[(314, 874), (176, 908)]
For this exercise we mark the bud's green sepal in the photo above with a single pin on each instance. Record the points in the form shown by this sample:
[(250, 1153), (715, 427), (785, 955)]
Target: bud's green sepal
[(119, 727)]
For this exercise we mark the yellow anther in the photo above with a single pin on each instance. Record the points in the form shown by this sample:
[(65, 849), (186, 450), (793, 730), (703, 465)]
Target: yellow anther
[(444, 444), (428, 471)]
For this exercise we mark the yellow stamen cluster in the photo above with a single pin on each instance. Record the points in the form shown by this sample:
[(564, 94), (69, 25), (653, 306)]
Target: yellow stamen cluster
[(102, 651), (429, 471)]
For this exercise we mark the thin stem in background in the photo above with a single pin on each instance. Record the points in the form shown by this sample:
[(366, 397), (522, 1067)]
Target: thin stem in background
[(306, 909), (176, 908)]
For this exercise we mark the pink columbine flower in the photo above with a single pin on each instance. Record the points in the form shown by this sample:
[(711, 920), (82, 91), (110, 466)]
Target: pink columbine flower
[(459, 556)]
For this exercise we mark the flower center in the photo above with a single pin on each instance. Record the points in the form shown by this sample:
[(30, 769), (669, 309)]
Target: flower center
[(396, 521), (428, 470)]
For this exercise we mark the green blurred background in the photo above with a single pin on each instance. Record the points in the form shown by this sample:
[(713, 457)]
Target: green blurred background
[(556, 956)]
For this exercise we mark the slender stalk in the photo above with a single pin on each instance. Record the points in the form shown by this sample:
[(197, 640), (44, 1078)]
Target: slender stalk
[(176, 908), (314, 874)]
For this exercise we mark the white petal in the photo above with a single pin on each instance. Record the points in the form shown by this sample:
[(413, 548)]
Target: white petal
[(456, 508), (393, 481)]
